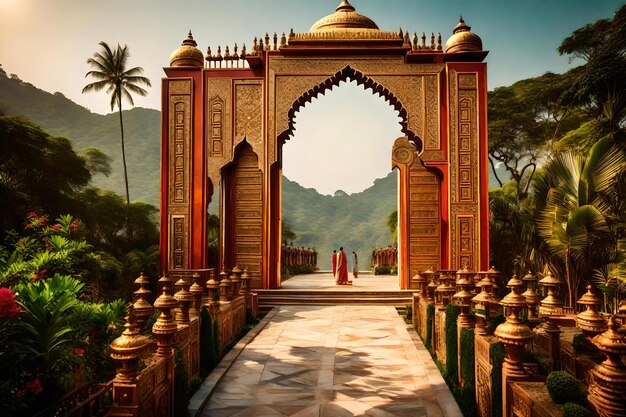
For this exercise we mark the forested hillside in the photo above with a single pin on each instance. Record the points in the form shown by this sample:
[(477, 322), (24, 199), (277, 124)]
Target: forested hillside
[(60, 116), (357, 221)]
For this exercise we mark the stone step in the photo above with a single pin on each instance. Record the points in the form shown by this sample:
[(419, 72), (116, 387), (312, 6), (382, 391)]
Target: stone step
[(272, 298)]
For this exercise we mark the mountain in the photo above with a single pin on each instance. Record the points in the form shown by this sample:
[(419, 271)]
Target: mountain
[(60, 116), (356, 221)]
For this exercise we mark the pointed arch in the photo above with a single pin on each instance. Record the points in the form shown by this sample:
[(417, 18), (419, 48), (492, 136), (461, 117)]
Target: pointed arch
[(349, 73)]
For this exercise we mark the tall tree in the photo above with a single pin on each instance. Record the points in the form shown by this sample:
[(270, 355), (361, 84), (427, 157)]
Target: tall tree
[(110, 71), (526, 120), (599, 85)]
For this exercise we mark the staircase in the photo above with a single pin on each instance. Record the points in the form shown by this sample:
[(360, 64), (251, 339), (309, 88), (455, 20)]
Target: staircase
[(272, 298)]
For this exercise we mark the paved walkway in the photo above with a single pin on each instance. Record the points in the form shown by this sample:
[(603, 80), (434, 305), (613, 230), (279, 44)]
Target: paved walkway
[(328, 361)]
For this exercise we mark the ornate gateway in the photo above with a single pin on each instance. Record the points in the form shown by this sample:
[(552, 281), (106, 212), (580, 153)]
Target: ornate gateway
[(226, 117)]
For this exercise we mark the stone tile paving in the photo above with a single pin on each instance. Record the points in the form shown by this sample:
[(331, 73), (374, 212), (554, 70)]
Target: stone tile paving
[(332, 361)]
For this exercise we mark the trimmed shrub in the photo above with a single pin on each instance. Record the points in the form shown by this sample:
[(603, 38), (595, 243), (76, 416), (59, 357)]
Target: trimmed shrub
[(382, 270), (497, 353), (181, 385), (564, 388), (430, 316), (574, 410), (579, 343), (452, 348)]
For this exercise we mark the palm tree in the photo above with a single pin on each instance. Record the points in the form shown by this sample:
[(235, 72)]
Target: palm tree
[(110, 72), (574, 228)]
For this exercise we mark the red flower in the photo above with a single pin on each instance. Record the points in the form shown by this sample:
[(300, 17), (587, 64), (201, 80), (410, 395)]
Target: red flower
[(31, 215), (74, 225), (34, 386), (78, 351), (39, 274), (55, 227), (8, 308)]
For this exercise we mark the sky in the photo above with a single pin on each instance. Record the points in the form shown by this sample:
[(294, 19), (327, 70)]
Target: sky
[(47, 43)]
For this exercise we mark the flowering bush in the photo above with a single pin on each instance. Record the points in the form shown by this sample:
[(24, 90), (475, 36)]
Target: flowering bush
[(54, 335), (8, 308)]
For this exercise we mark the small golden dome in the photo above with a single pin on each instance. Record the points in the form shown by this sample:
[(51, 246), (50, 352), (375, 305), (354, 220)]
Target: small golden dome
[(345, 17), (462, 40), (187, 55)]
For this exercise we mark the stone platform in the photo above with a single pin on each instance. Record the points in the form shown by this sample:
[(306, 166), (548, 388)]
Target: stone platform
[(327, 361), (320, 288)]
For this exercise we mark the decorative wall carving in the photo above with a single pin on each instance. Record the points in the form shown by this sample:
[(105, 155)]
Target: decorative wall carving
[(290, 78), (178, 242), (431, 109), (216, 117), (248, 192), (249, 113), (464, 173), (219, 90), (422, 209), (179, 155)]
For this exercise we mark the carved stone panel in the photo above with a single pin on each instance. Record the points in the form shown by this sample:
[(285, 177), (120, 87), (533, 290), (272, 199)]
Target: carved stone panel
[(248, 192), (179, 154), (219, 134), (431, 137), (249, 113), (216, 128), (464, 171)]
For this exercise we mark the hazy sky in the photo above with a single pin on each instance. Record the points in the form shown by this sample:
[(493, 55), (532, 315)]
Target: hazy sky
[(47, 43)]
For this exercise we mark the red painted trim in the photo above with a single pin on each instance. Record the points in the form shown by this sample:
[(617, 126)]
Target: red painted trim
[(198, 203)]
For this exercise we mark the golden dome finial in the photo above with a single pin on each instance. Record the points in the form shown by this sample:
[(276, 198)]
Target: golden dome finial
[(345, 5), (187, 54), (462, 39), (344, 18)]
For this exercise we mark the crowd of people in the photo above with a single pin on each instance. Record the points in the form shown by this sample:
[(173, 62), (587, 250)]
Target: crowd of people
[(385, 256), (292, 256)]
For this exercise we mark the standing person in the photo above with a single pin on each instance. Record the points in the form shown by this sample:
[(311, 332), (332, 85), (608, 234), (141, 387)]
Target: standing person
[(342, 268), (335, 265), (355, 265)]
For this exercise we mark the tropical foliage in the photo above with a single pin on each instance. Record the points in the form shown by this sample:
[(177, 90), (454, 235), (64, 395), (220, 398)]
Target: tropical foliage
[(562, 140)]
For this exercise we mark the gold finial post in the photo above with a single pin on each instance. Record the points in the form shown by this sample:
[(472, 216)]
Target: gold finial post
[(165, 327)]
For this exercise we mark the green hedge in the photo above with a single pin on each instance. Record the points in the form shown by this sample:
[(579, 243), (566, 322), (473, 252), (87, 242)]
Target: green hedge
[(496, 351), (208, 358), (181, 385), (467, 397), (430, 316), (452, 348)]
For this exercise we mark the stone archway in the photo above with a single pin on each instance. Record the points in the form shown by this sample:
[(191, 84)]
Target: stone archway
[(209, 111)]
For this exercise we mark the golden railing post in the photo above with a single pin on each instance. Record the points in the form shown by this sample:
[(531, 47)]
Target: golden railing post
[(607, 383), (185, 301), (197, 291), (128, 348), (165, 327), (514, 334), (143, 309)]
